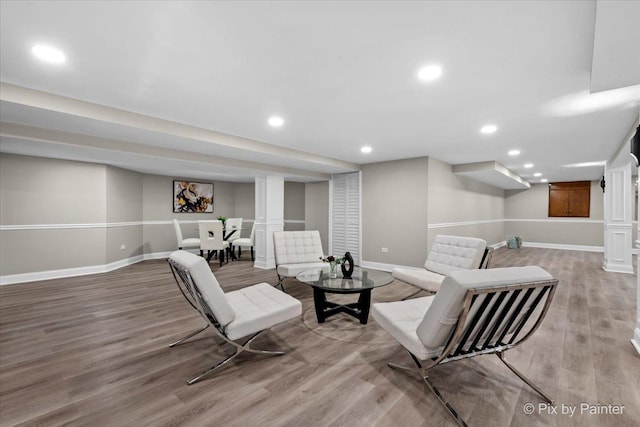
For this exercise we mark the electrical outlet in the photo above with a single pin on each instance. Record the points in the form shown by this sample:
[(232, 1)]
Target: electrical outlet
[(123, 247), (384, 250)]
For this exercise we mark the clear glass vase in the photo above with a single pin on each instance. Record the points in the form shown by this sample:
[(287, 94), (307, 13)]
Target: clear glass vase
[(332, 270)]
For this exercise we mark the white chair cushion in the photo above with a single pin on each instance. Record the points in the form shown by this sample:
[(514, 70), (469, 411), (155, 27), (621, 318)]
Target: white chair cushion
[(295, 247), (292, 270), (192, 241), (260, 307), (436, 327), (242, 241), (453, 253), (207, 283), (425, 279), (401, 319)]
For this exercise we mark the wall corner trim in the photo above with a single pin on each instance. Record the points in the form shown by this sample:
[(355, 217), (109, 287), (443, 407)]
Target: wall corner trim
[(636, 339)]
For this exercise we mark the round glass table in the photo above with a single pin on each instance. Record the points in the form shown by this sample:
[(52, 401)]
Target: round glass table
[(362, 281)]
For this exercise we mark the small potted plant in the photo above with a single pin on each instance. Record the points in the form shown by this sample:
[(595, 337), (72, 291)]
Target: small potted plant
[(223, 219)]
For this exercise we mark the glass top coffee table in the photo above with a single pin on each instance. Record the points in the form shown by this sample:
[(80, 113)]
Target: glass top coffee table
[(362, 281)]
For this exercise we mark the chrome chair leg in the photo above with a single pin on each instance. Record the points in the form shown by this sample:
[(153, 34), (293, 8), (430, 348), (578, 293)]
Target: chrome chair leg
[(442, 400), (239, 349), (523, 378), (404, 368), (422, 371), (213, 368), (186, 337)]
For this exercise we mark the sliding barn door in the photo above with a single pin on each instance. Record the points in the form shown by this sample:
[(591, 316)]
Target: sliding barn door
[(344, 234)]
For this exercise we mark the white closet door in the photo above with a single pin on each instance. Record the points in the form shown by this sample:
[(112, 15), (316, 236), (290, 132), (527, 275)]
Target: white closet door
[(345, 215)]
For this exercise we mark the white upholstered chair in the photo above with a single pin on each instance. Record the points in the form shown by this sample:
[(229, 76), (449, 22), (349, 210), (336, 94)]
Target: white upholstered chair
[(211, 239), (233, 224), (243, 313), (245, 242), (190, 243), (475, 312), (297, 251), (448, 254)]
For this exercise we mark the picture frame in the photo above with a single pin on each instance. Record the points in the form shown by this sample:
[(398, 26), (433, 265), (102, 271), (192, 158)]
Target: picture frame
[(192, 197)]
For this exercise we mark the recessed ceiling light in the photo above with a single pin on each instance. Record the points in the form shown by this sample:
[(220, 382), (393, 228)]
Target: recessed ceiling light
[(537, 174), (366, 149), (514, 152), (276, 121), (429, 73), (528, 165), (544, 180), (48, 54), (488, 129)]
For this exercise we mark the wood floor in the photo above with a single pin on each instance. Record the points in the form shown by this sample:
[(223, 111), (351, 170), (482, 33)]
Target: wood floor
[(93, 350)]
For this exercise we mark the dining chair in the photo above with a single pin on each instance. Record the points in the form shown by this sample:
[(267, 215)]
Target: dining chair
[(211, 239), (238, 317), (192, 242), (245, 242), (230, 225)]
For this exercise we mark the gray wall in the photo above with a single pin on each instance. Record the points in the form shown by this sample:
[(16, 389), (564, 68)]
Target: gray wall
[(457, 199), (123, 196), (526, 213), (35, 191), (245, 205), (395, 200), (294, 206), (316, 210), (41, 196)]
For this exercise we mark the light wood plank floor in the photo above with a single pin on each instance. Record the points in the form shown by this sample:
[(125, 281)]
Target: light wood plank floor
[(93, 350)]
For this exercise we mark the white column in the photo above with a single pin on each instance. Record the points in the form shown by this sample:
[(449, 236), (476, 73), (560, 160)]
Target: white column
[(636, 332), (618, 199), (269, 218)]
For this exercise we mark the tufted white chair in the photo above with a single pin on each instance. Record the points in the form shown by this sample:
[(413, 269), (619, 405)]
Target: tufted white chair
[(448, 254), (476, 312), (235, 315), (297, 251)]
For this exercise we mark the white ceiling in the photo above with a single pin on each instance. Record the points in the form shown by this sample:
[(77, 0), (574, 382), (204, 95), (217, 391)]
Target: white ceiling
[(204, 77)]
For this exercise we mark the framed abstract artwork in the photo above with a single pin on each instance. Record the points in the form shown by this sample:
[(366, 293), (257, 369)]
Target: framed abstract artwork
[(192, 197)]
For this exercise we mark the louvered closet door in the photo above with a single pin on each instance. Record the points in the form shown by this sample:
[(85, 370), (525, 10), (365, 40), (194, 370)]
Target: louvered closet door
[(345, 215)]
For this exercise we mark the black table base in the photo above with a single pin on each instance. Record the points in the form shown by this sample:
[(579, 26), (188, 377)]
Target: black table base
[(325, 309)]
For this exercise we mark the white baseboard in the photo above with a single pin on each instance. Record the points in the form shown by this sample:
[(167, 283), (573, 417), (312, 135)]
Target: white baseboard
[(499, 244), (618, 268), (38, 276), (158, 255), (584, 248)]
